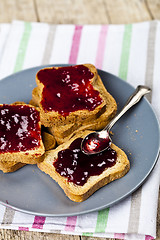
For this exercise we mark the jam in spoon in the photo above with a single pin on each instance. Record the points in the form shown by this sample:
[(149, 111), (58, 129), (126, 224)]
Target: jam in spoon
[(96, 142)]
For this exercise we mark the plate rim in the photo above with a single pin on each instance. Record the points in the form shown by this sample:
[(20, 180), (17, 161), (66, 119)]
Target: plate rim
[(113, 202)]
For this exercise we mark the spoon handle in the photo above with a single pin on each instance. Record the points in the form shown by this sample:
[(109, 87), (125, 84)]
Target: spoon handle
[(133, 99)]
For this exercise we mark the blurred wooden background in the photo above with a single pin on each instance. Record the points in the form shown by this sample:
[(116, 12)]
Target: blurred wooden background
[(75, 12), (80, 11)]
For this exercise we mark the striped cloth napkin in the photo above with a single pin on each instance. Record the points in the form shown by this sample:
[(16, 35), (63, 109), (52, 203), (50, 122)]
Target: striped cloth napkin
[(131, 52)]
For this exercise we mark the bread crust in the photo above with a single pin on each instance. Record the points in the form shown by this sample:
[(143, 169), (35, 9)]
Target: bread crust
[(63, 127), (27, 157), (53, 118), (80, 193), (11, 166), (49, 141), (8, 167)]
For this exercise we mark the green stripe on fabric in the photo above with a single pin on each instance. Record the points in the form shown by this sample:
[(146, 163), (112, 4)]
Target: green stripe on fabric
[(123, 70), (102, 219), (23, 47), (87, 234)]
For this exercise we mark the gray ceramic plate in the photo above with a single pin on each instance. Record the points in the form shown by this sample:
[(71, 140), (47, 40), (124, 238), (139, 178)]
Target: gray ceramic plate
[(137, 133)]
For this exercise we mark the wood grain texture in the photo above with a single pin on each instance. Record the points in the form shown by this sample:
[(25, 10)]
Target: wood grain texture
[(76, 12), (17, 9), (127, 11), (72, 11), (22, 235), (154, 8), (80, 11)]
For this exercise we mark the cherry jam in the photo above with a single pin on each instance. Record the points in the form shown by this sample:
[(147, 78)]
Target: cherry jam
[(68, 89), (77, 167), (94, 143), (19, 128)]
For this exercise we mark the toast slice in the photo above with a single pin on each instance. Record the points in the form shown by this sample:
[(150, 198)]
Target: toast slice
[(72, 94), (62, 133), (63, 127), (49, 141), (11, 166), (75, 191), (8, 167), (20, 134), (35, 101)]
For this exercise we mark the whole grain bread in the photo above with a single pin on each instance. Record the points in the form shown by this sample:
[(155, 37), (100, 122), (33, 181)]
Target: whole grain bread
[(63, 127), (80, 193), (30, 156), (64, 132), (49, 141), (35, 101), (8, 167), (53, 118), (11, 166)]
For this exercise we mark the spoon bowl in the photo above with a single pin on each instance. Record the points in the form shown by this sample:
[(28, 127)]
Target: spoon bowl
[(97, 142)]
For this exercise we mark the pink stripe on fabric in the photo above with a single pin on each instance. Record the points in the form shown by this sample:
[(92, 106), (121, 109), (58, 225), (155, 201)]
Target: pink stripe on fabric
[(101, 46), (148, 237), (71, 223), (119, 235), (75, 44), (23, 228), (38, 222)]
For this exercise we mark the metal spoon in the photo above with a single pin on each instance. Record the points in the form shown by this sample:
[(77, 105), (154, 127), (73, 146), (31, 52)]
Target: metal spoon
[(97, 142)]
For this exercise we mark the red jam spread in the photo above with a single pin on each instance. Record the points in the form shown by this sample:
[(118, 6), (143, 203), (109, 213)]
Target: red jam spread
[(94, 143), (68, 89), (78, 167), (19, 128)]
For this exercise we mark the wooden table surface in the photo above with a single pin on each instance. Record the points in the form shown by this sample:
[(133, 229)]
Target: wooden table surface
[(76, 12)]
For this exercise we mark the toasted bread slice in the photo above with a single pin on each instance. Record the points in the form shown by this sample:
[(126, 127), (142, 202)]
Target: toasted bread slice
[(11, 166), (8, 167), (49, 141), (79, 193), (20, 134), (35, 101), (62, 133), (82, 113), (62, 130)]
